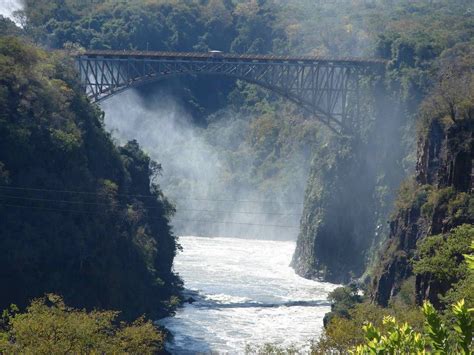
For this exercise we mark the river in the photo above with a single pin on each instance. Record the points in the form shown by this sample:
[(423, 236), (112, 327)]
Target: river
[(245, 293)]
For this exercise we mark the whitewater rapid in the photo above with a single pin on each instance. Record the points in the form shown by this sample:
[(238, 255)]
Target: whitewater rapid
[(246, 294)]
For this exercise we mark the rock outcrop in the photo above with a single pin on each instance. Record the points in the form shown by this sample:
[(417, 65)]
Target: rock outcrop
[(440, 199), (338, 214)]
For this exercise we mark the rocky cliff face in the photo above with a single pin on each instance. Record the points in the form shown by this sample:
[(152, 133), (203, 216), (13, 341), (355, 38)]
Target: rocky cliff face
[(445, 156), (351, 186), (438, 200), (338, 217)]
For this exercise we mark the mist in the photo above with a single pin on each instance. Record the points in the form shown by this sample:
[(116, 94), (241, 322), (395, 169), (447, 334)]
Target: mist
[(207, 173)]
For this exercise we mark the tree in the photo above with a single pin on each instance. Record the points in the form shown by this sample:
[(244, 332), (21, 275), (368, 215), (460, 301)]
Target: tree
[(50, 327)]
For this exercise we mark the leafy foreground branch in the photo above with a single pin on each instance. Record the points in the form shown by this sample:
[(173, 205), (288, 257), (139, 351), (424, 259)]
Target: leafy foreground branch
[(50, 327), (437, 338)]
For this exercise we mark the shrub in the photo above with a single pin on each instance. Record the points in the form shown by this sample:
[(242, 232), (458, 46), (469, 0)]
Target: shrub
[(342, 299), (437, 336), (50, 327), (441, 256)]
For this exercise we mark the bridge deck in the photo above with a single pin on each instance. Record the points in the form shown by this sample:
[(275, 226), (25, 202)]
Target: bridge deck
[(265, 58)]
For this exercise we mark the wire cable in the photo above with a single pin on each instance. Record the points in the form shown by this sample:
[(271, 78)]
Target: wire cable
[(147, 207), (142, 196), (177, 220)]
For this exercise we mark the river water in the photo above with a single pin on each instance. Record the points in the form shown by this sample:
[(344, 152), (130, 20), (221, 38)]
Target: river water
[(246, 294)]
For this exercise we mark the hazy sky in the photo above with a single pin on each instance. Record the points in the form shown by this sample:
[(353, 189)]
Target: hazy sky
[(8, 6)]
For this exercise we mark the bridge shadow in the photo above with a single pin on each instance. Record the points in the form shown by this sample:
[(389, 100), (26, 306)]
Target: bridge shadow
[(201, 301)]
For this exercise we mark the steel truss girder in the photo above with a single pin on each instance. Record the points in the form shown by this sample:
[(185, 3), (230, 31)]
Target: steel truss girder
[(329, 90)]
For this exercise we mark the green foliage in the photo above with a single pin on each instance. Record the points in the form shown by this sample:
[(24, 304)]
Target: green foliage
[(50, 327), (344, 333), (456, 206), (407, 293), (470, 257), (342, 299), (8, 27), (435, 329), (339, 335), (410, 194), (442, 257), (462, 289), (398, 338), (402, 338), (463, 326), (455, 337)]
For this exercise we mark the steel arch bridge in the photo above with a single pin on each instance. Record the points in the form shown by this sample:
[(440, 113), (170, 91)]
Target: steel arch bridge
[(325, 87)]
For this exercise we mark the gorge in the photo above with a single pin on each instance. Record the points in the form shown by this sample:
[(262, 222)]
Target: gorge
[(94, 196)]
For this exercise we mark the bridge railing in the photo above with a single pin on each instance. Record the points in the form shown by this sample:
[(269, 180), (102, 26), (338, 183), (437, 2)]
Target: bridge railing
[(231, 56)]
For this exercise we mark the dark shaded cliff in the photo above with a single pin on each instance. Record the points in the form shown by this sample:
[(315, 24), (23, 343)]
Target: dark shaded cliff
[(79, 216), (350, 191), (338, 214)]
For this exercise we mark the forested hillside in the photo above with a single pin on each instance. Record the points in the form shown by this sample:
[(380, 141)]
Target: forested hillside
[(80, 216), (241, 27)]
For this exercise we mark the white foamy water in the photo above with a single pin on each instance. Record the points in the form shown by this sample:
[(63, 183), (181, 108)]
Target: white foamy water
[(245, 294)]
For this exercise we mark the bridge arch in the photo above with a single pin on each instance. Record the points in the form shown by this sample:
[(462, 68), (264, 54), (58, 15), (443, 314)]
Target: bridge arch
[(326, 88)]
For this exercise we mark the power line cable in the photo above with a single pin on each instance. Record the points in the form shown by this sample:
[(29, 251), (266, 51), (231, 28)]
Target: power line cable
[(143, 196), (238, 223), (178, 220), (147, 207)]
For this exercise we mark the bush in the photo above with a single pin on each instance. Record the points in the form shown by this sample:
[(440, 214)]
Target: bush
[(437, 336), (50, 327), (270, 349), (343, 333), (411, 194), (442, 256), (342, 299)]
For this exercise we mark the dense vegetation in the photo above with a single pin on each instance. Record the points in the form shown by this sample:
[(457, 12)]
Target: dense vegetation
[(48, 326), (80, 216), (247, 27), (430, 51)]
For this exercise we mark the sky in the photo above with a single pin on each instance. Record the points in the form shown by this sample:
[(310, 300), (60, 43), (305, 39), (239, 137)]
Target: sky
[(8, 6)]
